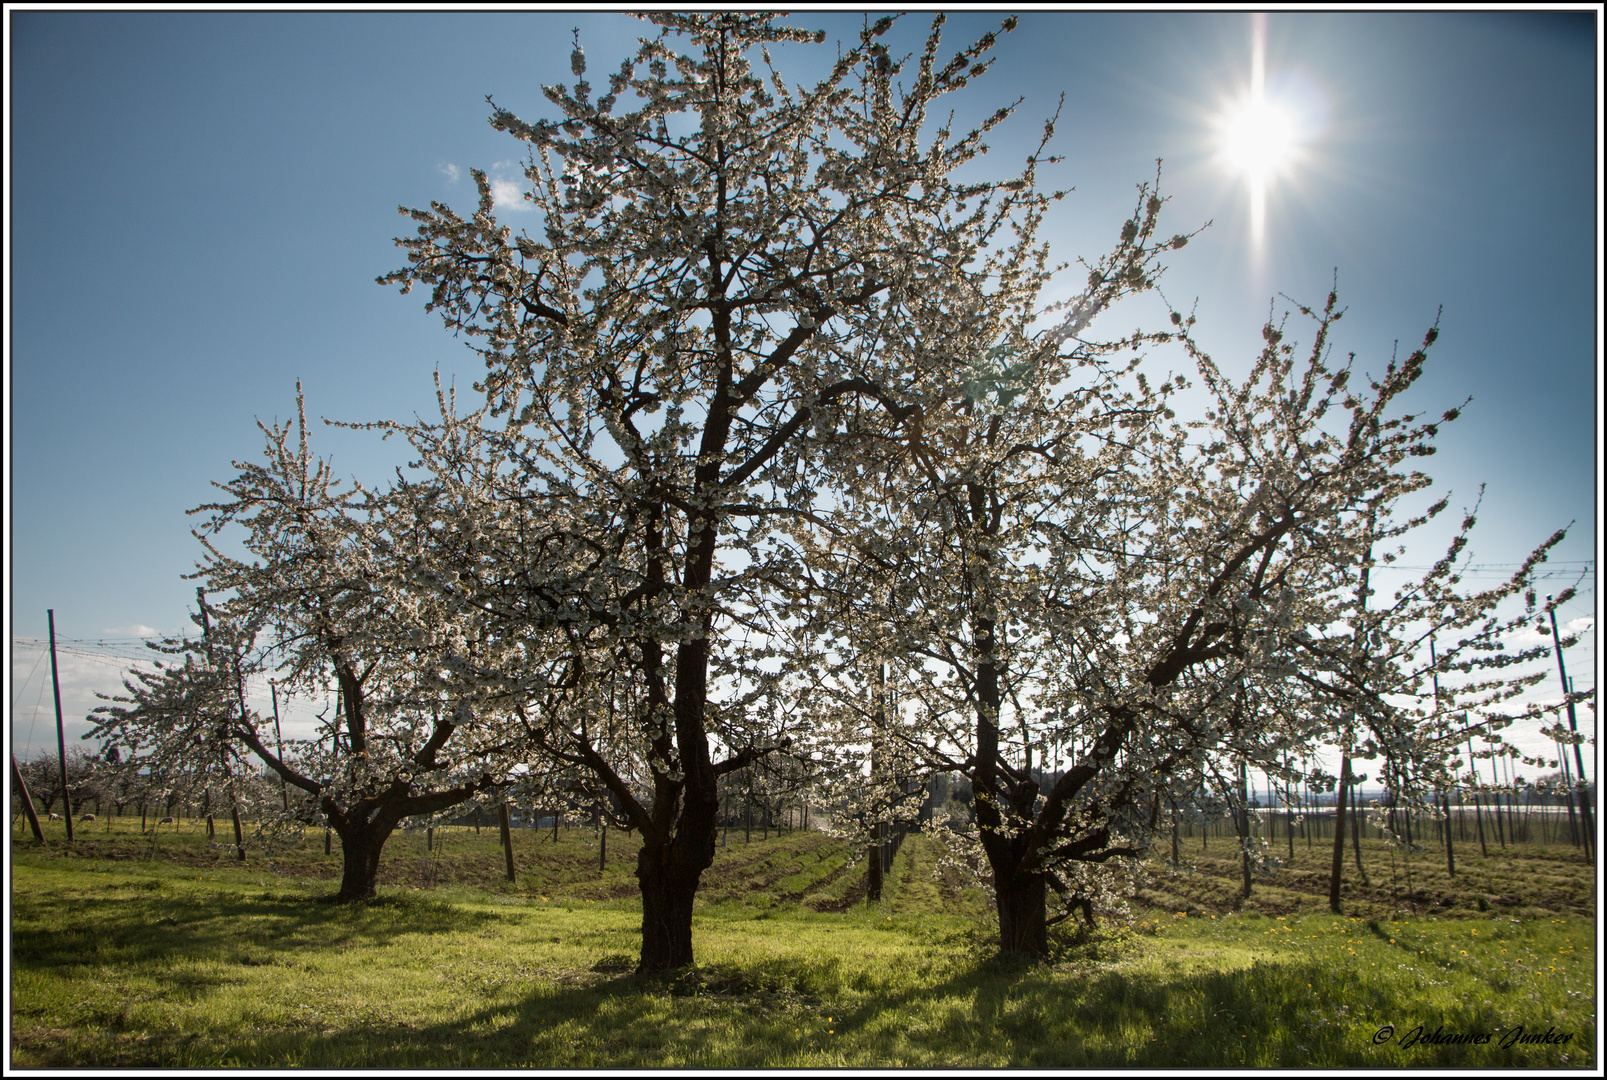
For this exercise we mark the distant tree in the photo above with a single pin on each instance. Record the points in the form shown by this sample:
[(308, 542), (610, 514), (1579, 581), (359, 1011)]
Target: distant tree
[(324, 604), (42, 774)]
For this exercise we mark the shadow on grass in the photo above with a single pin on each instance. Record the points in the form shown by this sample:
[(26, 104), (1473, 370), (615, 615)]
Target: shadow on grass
[(792, 1011), (784, 1011), (145, 925), (818, 1009)]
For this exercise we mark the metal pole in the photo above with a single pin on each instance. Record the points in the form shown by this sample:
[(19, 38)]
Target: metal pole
[(61, 736), (1568, 785), (1445, 800), (1478, 817), (1573, 726)]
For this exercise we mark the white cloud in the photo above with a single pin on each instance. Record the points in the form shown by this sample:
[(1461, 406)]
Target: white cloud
[(508, 187), (33, 706), (508, 195), (83, 675), (1528, 635), (137, 630), (1534, 633), (450, 171)]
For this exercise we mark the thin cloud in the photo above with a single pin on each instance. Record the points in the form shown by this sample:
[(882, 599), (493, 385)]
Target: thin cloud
[(1540, 630), (81, 677), (508, 187), (508, 195), (1528, 635), (137, 630), (450, 171)]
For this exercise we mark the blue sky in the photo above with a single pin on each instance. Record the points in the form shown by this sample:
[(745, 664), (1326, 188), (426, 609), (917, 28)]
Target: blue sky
[(200, 202)]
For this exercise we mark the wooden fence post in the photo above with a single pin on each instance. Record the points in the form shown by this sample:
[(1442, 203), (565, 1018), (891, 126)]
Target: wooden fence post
[(507, 837), (27, 803)]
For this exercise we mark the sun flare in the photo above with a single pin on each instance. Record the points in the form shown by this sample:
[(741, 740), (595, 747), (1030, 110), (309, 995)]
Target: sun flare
[(1257, 138)]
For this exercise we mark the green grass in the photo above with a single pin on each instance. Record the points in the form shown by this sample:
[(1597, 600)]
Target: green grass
[(163, 962)]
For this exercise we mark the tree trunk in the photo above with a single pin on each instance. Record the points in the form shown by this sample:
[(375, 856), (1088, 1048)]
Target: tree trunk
[(1339, 835), (1022, 903), (873, 866), (1020, 898), (1241, 821), (239, 834), (668, 874), (360, 846), (1175, 859), (1289, 824)]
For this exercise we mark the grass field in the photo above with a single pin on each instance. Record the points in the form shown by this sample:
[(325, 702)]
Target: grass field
[(129, 954)]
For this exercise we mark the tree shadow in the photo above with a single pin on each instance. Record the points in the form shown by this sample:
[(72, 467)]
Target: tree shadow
[(142, 925), (1083, 1012), (773, 1011)]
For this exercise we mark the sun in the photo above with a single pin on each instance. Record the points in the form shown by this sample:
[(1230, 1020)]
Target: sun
[(1257, 138)]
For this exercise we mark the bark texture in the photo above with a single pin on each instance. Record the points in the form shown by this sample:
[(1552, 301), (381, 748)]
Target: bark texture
[(1022, 904), (361, 842)]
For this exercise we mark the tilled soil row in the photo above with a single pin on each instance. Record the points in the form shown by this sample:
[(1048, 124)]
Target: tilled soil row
[(855, 893), (1311, 889), (818, 885)]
